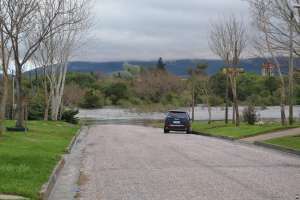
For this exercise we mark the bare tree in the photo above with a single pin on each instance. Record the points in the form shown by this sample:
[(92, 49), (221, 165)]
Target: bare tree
[(278, 37), (54, 54), (285, 23), (201, 86), (56, 72), (22, 19), (279, 20), (228, 40), (5, 56)]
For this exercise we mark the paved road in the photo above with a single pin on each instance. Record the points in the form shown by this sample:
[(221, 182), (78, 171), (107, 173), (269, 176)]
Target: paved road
[(278, 134), (140, 163)]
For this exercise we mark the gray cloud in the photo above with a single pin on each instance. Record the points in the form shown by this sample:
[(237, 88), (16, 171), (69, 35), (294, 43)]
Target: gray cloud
[(148, 29)]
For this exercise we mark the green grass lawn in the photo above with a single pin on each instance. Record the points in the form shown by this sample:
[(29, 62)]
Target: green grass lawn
[(221, 129), (27, 160), (292, 142)]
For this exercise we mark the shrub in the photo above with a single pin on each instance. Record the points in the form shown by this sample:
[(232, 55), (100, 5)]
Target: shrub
[(250, 115), (73, 94), (69, 116), (216, 100), (135, 100), (124, 103), (36, 108), (93, 99), (117, 92)]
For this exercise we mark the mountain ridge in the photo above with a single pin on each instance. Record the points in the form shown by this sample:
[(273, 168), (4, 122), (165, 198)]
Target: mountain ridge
[(177, 67)]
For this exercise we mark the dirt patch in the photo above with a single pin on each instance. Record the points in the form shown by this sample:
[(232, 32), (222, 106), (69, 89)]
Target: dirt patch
[(83, 179)]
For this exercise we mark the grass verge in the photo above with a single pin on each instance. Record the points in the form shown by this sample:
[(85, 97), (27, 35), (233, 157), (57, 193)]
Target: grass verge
[(244, 130), (27, 160), (219, 128), (292, 142)]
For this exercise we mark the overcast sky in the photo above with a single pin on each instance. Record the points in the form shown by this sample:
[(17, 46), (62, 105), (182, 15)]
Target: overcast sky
[(148, 29)]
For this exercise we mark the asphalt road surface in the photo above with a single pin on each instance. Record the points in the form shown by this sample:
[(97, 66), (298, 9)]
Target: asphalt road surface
[(124, 162)]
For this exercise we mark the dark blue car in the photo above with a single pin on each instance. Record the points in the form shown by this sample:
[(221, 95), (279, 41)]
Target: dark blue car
[(177, 121)]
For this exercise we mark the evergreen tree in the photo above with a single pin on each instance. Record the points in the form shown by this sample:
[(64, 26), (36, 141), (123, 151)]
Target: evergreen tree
[(161, 65)]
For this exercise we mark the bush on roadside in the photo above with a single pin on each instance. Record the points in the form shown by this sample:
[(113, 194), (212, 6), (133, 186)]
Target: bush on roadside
[(93, 99), (69, 116), (250, 115), (36, 108), (124, 103), (216, 100), (116, 92)]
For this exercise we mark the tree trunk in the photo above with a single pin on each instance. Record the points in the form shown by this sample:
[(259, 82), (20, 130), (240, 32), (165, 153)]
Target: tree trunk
[(57, 91), (19, 97), (13, 98), (227, 100), (193, 102), (5, 85), (3, 103), (236, 103), (235, 106), (282, 86), (46, 111), (46, 97), (54, 108), (291, 76), (61, 110), (282, 107), (233, 113), (209, 110)]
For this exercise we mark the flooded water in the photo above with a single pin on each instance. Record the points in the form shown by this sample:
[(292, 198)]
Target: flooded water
[(123, 116)]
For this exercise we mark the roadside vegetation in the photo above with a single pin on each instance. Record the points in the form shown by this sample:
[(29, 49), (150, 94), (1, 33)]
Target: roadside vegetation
[(292, 142), (154, 90), (27, 159), (219, 128)]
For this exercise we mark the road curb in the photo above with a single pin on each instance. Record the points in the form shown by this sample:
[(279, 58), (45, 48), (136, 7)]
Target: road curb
[(73, 141), (261, 144), (213, 136), (47, 188), (12, 197), (277, 148)]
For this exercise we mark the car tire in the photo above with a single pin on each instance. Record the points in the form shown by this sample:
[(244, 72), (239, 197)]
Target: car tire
[(166, 131), (188, 131)]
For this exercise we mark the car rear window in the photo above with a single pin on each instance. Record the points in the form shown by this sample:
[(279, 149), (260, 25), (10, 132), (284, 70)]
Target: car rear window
[(180, 115)]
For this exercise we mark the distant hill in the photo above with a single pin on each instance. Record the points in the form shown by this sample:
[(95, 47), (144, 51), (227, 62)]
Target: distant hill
[(177, 67)]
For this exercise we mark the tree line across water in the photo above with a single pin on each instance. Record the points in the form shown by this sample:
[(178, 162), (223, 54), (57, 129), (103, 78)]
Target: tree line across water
[(152, 89), (155, 89)]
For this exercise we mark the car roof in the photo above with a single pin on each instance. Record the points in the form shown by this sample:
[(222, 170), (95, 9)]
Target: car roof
[(176, 111)]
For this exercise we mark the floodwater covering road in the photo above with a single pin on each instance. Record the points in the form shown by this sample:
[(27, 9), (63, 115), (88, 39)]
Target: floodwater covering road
[(124, 115), (126, 162)]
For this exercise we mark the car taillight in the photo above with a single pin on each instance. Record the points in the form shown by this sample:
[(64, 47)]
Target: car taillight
[(168, 120)]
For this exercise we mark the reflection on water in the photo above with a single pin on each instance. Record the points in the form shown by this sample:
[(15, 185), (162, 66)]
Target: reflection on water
[(125, 116)]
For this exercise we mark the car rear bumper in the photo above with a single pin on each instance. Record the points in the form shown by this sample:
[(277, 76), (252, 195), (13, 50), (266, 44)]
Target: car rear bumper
[(177, 127)]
